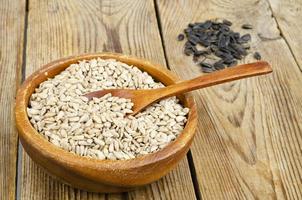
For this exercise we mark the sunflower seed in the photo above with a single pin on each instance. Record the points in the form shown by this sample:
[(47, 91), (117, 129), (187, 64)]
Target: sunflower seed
[(180, 37), (246, 37), (257, 56), (217, 38), (227, 22), (219, 65), (247, 26)]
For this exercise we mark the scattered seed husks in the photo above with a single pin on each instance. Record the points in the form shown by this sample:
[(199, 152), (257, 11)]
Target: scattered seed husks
[(99, 128)]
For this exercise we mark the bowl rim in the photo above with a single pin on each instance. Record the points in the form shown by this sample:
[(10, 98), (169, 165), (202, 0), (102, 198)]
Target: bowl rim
[(91, 165)]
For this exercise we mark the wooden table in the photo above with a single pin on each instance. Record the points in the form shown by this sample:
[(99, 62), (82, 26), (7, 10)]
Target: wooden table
[(249, 141)]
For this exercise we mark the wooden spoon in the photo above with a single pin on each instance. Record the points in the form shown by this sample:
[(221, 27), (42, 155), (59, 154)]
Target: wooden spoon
[(143, 98)]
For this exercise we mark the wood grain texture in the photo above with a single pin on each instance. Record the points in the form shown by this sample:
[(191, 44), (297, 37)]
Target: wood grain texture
[(61, 28), (168, 189), (288, 15), (249, 141), (11, 46)]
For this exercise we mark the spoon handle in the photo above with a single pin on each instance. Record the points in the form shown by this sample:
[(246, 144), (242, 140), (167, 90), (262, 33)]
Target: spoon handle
[(215, 78)]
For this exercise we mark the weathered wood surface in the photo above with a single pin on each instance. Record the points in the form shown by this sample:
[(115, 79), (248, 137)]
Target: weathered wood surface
[(11, 46), (249, 142), (61, 28), (248, 145), (288, 15)]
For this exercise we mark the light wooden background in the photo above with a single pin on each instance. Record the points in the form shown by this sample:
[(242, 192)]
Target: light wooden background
[(249, 141)]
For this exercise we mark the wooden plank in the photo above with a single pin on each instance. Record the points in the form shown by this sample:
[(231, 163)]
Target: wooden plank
[(288, 15), (61, 28), (176, 185), (248, 145), (12, 15)]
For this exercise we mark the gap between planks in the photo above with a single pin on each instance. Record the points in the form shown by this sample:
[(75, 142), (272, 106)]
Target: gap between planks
[(161, 33), (189, 154), (23, 72), (282, 35)]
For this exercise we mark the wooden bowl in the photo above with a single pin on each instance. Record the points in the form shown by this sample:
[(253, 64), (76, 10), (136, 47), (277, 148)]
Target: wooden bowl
[(93, 174)]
